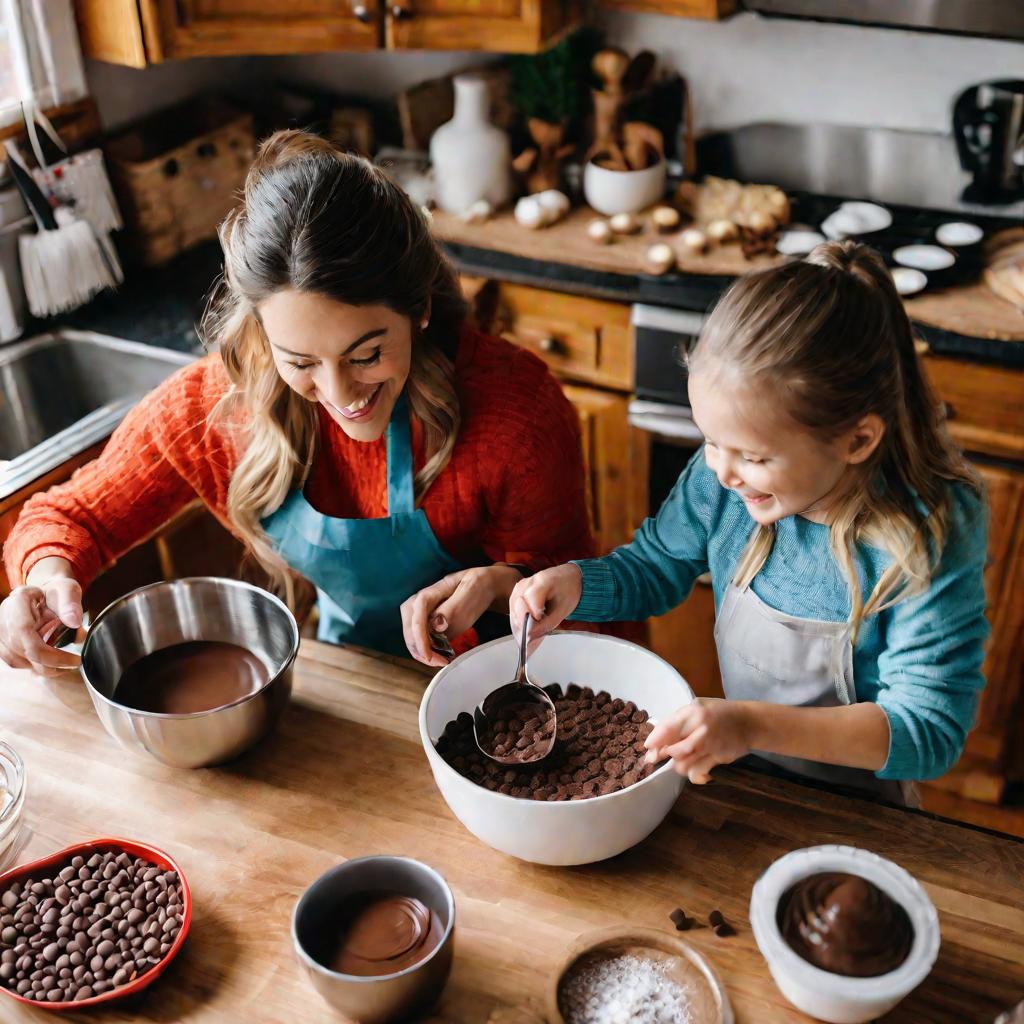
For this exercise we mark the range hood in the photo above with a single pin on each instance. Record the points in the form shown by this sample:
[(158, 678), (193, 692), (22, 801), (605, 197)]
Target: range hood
[(998, 18)]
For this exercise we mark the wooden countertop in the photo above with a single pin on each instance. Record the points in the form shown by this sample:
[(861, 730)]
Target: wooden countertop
[(327, 786), (972, 310)]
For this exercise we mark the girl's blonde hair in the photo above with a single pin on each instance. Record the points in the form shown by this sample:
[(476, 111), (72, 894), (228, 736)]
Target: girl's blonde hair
[(317, 220), (830, 335)]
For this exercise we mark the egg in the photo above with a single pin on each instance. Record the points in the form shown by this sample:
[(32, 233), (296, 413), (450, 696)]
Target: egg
[(694, 239), (624, 224), (660, 258), (530, 213), (478, 212), (723, 231), (554, 203), (665, 218)]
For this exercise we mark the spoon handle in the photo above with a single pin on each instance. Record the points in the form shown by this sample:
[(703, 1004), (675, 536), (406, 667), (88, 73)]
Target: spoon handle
[(523, 639)]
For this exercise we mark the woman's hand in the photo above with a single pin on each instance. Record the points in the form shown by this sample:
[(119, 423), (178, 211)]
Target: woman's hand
[(548, 596), (700, 735), (51, 596), (452, 605)]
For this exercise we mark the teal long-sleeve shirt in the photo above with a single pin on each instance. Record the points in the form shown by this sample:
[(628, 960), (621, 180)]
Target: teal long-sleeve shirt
[(919, 660)]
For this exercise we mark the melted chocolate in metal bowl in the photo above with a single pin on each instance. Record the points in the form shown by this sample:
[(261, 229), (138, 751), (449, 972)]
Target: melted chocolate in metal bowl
[(190, 677), (381, 933)]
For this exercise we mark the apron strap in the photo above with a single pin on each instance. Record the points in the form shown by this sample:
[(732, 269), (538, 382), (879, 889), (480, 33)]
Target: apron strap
[(401, 499)]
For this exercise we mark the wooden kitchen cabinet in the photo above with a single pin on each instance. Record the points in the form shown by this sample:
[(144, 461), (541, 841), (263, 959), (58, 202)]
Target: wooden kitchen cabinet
[(500, 26), (708, 10), (141, 32)]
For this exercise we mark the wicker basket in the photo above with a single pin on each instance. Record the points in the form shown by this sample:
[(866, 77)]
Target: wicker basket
[(177, 174)]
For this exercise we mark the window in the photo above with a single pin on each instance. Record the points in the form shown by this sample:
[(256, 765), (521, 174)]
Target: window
[(40, 59)]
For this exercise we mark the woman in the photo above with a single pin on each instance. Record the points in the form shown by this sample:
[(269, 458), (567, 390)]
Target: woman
[(351, 429)]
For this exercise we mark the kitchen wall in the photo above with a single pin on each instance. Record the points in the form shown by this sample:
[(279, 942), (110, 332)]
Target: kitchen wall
[(745, 69)]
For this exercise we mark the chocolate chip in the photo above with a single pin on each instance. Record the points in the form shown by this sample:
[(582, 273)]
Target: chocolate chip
[(680, 920), (715, 917), (723, 930)]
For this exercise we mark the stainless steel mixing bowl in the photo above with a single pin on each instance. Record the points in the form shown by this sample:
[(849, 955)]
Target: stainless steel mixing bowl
[(167, 613)]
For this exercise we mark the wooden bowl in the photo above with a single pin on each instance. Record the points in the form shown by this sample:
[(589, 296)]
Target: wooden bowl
[(134, 849), (710, 1004)]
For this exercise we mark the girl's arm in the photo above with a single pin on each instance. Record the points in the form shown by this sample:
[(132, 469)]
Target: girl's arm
[(657, 569), (929, 676)]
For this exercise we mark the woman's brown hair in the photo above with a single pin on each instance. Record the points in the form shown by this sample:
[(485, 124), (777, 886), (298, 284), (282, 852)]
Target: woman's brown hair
[(314, 219)]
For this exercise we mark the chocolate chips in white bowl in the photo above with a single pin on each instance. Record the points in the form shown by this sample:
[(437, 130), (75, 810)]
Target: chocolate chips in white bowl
[(94, 924)]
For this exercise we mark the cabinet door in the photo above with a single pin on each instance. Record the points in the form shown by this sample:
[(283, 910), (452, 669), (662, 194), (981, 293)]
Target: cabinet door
[(607, 451), (705, 9), (502, 26), (991, 743), (175, 29)]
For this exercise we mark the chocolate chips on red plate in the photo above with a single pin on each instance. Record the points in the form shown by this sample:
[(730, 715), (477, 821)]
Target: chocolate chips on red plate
[(599, 749), (86, 927)]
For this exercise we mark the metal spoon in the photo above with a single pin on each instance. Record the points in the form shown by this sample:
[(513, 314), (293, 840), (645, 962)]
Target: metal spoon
[(519, 696)]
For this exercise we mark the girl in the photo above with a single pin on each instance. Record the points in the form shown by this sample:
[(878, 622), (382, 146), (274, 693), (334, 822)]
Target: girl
[(350, 429), (844, 534)]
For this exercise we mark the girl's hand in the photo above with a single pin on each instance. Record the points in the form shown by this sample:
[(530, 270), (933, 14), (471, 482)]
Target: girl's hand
[(548, 596), (452, 605), (30, 612), (700, 735)]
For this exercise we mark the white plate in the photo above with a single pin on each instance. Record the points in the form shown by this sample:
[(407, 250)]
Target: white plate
[(869, 216), (924, 257), (908, 281), (958, 232), (798, 243)]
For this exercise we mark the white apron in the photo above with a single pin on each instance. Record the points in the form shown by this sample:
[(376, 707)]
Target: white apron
[(769, 656)]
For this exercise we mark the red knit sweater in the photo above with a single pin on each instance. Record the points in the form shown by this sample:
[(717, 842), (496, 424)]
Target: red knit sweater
[(513, 490)]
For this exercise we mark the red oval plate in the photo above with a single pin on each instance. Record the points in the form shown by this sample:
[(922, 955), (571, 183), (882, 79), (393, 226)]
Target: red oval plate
[(146, 852)]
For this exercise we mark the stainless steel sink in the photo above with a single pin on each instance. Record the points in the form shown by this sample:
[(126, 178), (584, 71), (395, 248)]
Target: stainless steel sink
[(61, 393)]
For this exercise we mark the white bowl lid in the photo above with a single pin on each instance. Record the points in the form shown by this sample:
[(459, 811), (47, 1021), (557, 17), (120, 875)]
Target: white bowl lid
[(924, 257)]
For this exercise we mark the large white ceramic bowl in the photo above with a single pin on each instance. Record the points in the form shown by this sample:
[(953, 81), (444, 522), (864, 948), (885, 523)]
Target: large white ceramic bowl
[(568, 831), (822, 994)]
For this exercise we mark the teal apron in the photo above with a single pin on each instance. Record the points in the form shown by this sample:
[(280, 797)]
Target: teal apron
[(363, 569)]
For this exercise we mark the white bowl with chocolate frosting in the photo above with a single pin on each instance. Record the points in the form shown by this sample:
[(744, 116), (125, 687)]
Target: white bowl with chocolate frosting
[(846, 934), (555, 829)]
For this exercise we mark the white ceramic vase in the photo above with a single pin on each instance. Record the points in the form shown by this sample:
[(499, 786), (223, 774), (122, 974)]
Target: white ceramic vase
[(471, 157)]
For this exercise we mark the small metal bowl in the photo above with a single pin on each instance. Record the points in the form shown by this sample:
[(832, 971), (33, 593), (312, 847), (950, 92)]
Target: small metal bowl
[(167, 613), (390, 997)]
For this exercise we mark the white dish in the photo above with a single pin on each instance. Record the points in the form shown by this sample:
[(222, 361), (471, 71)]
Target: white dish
[(611, 192), (958, 233), (566, 831), (12, 799), (924, 257), (798, 243), (908, 280), (856, 218), (834, 997)]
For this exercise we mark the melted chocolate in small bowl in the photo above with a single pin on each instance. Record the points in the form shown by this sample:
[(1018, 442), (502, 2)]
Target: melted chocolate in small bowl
[(845, 924), (375, 937)]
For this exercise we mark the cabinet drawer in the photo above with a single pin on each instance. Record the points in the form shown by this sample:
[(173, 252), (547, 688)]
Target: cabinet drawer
[(984, 405), (580, 339)]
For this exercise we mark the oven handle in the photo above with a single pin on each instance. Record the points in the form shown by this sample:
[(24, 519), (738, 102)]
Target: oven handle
[(674, 321), (663, 420)]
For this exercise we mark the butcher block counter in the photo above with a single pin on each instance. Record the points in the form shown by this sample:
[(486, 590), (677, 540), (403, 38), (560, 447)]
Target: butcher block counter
[(345, 775)]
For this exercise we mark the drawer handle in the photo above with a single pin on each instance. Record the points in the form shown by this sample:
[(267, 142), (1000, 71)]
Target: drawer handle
[(400, 12), (550, 345), (361, 12), (948, 411)]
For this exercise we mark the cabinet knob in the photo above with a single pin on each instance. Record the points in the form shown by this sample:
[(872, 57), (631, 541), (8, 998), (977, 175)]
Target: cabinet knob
[(549, 344), (400, 12), (361, 12), (948, 411)]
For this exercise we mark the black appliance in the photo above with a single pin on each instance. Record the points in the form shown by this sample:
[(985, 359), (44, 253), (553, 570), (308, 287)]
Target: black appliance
[(988, 124)]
